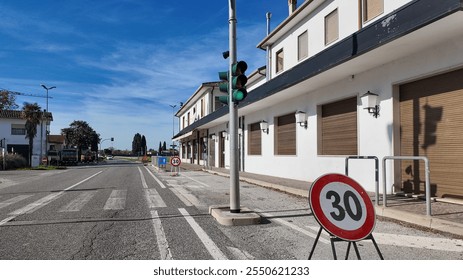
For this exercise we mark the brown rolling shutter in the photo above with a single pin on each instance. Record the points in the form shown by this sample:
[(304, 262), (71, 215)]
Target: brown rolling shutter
[(255, 139), (331, 27), (285, 135), (339, 128), (372, 8), (431, 125)]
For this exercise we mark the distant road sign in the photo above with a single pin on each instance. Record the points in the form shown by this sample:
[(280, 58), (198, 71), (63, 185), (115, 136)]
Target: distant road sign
[(175, 161), (342, 207)]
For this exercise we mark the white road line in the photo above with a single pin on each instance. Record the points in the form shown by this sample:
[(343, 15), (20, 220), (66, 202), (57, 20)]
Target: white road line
[(163, 245), (154, 199), (206, 185), (239, 254), (116, 200), (14, 200), (78, 203), (293, 226), (181, 197), (143, 180), (422, 242), (156, 179), (215, 252), (42, 202)]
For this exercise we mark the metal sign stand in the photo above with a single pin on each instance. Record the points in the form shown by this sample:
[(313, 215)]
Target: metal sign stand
[(175, 169), (334, 239)]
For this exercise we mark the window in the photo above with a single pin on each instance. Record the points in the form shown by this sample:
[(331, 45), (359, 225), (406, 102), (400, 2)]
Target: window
[(279, 61), (339, 128), (331, 27), (285, 135), (254, 139), (372, 9), (18, 129), (303, 46)]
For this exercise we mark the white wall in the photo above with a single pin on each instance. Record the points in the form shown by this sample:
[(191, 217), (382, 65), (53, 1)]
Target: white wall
[(375, 135)]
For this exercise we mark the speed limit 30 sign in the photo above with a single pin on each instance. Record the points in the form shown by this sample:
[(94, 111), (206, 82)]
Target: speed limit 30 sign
[(342, 207)]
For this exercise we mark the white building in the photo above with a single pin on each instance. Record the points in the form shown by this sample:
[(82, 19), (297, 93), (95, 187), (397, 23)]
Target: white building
[(323, 58), (13, 134)]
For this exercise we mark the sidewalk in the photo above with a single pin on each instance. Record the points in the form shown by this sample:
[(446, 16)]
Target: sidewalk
[(447, 215)]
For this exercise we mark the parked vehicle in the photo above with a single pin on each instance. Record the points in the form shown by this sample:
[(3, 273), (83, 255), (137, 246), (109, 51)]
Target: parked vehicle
[(69, 156), (63, 157)]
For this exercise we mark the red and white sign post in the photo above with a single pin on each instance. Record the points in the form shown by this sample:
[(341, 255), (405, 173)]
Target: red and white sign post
[(344, 209)]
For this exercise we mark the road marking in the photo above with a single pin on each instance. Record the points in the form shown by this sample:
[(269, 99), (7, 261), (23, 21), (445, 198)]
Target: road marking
[(163, 245), (78, 203), (43, 201), (181, 197), (215, 252), (116, 200), (143, 180), (422, 242), (14, 200), (239, 254), (154, 199), (293, 226), (206, 185), (155, 178)]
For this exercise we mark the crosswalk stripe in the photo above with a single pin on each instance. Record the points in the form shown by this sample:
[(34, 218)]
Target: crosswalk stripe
[(116, 200), (78, 203), (14, 200)]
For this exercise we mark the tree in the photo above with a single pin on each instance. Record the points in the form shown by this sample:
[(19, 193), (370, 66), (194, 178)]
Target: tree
[(136, 144), (7, 100), (33, 115), (160, 148), (143, 144), (81, 135), (164, 146)]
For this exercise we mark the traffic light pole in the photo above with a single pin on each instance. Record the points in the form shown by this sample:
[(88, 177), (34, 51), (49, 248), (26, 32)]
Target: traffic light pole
[(233, 122)]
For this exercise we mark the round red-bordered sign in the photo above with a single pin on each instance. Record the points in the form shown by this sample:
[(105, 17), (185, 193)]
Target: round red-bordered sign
[(175, 161), (342, 207)]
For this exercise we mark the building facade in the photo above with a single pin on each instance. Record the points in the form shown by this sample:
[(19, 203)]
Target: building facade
[(13, 134), (323, 59)]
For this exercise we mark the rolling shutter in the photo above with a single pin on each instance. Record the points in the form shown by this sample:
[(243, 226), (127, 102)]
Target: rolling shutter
[(339, 128), (431, 125), (255, 139), (285, 135)]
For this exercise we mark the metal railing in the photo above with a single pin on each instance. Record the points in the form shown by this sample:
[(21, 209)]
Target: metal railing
[(376, 172), (428, 184)]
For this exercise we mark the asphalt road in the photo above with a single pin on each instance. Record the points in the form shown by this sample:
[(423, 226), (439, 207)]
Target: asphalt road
[(122, 210)]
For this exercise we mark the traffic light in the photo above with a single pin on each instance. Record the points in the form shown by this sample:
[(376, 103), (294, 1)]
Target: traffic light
[(239, 81)]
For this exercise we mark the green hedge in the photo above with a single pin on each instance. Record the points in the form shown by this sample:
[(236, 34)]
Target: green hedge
[(13, 161)]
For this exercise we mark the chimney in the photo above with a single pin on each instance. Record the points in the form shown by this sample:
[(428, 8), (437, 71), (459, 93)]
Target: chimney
[(292, 4)]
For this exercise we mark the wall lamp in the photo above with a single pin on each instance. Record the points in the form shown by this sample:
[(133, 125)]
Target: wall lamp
[(301, 118), (264, 126), (370, 103)]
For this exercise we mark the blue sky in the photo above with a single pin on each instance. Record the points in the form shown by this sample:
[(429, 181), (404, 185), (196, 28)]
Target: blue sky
[(119, 64)]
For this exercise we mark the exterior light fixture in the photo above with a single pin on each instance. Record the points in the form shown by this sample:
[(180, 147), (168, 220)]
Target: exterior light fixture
[(264, 126), (301, 118), (370, 103)]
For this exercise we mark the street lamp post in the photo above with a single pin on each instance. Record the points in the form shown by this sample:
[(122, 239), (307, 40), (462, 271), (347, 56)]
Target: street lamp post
[(47, 123), (173, 126)]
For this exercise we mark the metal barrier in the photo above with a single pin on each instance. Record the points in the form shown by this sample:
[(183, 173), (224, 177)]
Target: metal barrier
[(428, 183), (376, 172)]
